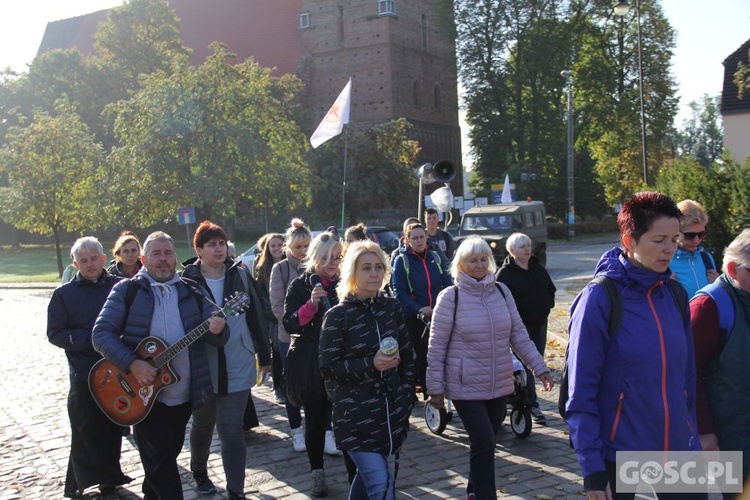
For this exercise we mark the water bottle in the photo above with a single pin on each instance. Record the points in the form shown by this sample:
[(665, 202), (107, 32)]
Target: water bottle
[(389, 346)]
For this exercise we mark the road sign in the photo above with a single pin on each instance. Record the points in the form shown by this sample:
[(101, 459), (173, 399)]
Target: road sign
[(186, 215)]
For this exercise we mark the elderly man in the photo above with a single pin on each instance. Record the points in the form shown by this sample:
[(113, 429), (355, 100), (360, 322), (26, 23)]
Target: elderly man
[(95, 440), (719, 315), (157, 303)]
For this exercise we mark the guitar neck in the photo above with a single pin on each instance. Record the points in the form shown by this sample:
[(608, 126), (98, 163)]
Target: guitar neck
[(173, 350)]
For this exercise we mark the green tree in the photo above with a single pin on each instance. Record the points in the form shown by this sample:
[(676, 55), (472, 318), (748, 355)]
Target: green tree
[(214, 137), (379, 171), (51, 167), (701, 136), (610, 125), (686, 178)]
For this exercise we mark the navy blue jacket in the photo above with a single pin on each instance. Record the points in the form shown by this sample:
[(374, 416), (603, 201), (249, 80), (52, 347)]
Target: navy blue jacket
[(116, 336), (422, 284), (71, 314)]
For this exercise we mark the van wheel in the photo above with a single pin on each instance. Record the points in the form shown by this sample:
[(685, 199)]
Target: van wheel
[(541, 255)]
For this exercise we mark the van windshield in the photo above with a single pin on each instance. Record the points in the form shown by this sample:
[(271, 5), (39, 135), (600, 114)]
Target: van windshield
[(489, 223)]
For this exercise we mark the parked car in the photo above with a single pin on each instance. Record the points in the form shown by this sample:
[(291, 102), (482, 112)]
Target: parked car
[(494, 223), (384, 237), (248, 256)]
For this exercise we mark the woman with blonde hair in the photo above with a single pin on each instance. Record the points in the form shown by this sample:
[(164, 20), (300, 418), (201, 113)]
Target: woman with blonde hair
[(469, 359), (296, 242), (308, 298), (127, 253), (365, 347)]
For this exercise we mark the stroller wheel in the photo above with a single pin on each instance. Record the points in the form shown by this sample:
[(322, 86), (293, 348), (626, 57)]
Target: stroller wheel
[(520, 421), (435, 419)]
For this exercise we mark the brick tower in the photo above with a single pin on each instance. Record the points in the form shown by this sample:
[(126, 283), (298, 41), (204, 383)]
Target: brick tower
[(399, 63)]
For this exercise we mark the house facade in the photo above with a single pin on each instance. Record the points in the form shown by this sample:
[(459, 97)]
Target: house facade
[(735, 112)]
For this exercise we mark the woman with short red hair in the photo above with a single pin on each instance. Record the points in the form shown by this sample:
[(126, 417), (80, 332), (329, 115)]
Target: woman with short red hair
[(216, 276)]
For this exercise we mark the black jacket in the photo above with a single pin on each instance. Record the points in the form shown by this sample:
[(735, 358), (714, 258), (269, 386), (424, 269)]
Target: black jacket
[(370, 408), (298, 293), (71, 314), (532, 290), (254, 316)]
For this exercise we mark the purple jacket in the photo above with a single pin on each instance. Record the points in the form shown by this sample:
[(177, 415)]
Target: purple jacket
[(470, 360)]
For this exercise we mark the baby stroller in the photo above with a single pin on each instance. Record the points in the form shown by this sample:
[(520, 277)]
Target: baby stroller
[(518, 402)]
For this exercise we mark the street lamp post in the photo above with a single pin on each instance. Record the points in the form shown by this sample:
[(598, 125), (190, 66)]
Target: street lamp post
[(571, 184), (621, 8)]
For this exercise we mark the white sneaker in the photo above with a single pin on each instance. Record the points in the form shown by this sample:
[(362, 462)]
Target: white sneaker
[(330, 448), (298, 439)]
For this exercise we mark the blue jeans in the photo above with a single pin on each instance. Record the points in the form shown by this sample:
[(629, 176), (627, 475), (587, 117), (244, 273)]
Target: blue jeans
[(226, 412), (293, 413), (482, 420), (374, 479)]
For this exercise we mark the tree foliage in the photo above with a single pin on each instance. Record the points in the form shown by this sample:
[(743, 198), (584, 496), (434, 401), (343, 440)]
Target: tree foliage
[(52, 167), (212, 137), (702, 136), (379, 172)]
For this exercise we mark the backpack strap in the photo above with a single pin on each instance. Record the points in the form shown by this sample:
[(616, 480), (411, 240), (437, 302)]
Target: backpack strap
[(707, 261), (679, 294), (455, 300), (615, 303), (130, 294)]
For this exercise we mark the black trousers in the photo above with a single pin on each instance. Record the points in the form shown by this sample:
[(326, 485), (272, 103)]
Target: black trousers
[(160, 437), (419, 340), (94, 445), (317, 418)]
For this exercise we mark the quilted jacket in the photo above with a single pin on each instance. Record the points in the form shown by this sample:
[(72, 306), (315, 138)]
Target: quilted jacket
[(118, 331), (470, 360)]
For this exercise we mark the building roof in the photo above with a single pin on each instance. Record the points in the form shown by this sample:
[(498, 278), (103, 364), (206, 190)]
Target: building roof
[(267, 30), (730, 101)]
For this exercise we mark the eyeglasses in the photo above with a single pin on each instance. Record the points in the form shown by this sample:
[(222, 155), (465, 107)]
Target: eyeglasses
[(336, 259), (692, 236)]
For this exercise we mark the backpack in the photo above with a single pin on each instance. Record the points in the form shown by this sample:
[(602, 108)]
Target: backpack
[(455, 300), (707, 262), (615, 321)]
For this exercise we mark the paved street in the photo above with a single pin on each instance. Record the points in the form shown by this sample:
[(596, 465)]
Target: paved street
[(34, 432)]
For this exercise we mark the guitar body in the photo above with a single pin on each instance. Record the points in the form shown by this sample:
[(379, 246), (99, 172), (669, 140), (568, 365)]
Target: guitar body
[(119, 395)]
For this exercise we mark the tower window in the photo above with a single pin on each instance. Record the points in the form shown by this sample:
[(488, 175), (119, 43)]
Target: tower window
[(386, 7), (304, 20), (425, 33)]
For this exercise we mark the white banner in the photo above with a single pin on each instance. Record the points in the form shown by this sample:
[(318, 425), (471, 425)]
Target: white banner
[(333, 122)]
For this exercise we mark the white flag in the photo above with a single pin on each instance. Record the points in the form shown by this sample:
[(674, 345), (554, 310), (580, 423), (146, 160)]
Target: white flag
[(333, 122), (506, 196)]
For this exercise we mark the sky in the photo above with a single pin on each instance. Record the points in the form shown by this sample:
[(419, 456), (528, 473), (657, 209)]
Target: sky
[(707, 32)]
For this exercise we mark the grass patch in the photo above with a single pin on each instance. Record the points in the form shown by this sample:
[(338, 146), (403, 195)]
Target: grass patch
[(38, 263)]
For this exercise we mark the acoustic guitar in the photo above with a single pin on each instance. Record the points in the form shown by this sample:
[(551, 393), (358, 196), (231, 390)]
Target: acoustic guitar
[(121, 397)]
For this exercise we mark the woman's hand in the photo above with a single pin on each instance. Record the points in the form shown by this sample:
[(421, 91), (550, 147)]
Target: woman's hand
[(318, 292), (426, 311), (547, 382), (383, 362), (436, 400), (709, 442)]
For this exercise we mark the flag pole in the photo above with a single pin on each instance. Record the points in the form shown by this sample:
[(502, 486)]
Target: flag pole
[(343, 187)]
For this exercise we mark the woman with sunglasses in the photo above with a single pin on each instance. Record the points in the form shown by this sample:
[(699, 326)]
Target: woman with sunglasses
[(693, 266), (308, 298)]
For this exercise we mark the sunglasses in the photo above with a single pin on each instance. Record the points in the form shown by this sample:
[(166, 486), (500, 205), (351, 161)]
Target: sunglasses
[(692, 236)]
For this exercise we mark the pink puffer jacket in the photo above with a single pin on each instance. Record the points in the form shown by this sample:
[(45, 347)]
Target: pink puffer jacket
[(471, 360)]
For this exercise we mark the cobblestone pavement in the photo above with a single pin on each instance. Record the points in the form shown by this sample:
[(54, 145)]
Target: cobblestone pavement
[(34, 432)]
